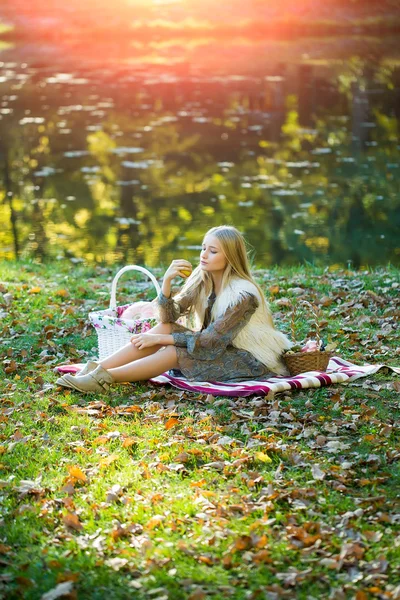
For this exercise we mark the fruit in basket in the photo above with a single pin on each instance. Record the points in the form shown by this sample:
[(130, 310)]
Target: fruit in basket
[(310, 346), (293, 349)]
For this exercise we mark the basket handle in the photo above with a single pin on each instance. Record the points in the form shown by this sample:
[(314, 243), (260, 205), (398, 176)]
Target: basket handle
[(315, 313), (113, 300)]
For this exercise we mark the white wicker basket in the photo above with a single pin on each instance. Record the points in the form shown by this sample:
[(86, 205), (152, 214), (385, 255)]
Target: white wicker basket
[(112, 331)]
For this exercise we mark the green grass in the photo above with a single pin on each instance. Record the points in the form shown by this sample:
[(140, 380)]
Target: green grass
[(191, 518)]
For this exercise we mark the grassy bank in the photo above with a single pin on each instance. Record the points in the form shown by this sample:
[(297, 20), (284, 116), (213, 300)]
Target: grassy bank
[(151, 492)]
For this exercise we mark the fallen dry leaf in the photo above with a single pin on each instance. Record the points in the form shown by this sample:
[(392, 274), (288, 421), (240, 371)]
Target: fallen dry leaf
[(62, 589), (72, 520), (77, 473), (263, 457), (317, 473), (155, 522), (105, 462), (129, 441), (171, 423)]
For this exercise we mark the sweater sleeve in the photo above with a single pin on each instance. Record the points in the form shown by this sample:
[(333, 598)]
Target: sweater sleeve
[(169, 310), (213, 340)]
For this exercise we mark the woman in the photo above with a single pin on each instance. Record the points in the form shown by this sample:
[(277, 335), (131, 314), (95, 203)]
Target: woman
[(235, 341)]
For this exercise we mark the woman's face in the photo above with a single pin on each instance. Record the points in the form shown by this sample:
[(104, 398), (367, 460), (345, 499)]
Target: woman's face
[(212, 259)]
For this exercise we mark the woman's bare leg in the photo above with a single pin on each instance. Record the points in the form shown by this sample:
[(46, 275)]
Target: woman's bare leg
[(145, 368), (129, 353)]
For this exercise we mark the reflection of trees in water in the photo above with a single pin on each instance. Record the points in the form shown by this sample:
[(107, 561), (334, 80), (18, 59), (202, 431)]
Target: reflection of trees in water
[(8, 197), (290, 209)]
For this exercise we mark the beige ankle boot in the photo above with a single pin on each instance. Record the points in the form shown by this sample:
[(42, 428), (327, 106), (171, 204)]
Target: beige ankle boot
[(98, 380), (90, 366)]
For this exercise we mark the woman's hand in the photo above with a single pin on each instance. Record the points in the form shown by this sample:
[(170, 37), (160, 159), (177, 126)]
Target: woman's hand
[(146, 340), (178, 268)]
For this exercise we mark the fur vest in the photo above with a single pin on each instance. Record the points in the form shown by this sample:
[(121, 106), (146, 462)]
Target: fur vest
[(259, 335)]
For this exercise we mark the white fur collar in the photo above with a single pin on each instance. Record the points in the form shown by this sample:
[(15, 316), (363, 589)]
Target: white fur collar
[(232, 294)]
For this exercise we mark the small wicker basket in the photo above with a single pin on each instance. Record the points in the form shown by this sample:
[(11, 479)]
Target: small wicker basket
[(302, 362), (113, 331)]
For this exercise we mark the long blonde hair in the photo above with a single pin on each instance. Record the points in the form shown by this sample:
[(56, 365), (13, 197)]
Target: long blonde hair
[(199, 285)]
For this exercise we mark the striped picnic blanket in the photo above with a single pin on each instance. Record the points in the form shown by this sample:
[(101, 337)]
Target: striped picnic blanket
[(338, 371)]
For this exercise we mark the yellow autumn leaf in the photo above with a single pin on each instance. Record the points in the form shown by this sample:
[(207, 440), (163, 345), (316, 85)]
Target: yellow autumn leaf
[(208, 493), (104, 462), (77, 473), (198, 483), (102, 439), (35, 290), (154, 522), (263, 457), (129, 441), (171, 423)]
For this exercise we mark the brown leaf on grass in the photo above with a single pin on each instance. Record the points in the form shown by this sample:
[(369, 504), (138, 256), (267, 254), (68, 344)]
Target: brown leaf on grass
[(262, 557), (208, 493), (171, 423), (69, 503), (156, 498), (260, 542), (155, 522), (24, 582), (67, 576), (35, 290), (198, 483), (72, 521), (77, 473), (102, 439), (352, 549), (183, 457), (105, 462), (61, 293), (197, 595), (123, 531), (129, 441), (274, 289), (305, 535), (120, 531), (12, 367), (227, 561), (206, 560), (135, 408), (196, 452), (54, 564), (396, 385), (4, 549), (244, 542)]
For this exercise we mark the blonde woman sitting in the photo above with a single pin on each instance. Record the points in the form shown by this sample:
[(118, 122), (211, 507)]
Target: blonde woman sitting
[(235, 338)]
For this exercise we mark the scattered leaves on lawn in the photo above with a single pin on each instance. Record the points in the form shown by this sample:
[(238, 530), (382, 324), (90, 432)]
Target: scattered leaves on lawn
[(287, 495)]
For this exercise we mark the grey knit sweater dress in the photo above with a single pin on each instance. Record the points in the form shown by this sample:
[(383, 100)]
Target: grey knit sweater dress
[(208, 354)]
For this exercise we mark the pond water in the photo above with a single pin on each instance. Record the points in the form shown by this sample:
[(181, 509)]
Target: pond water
[(130, 156)]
